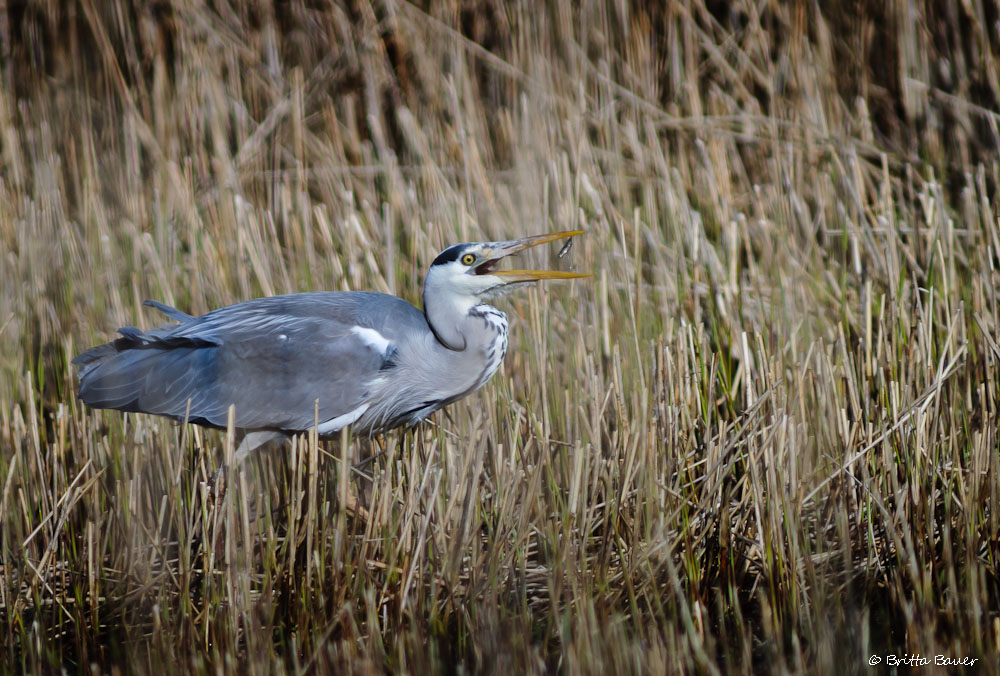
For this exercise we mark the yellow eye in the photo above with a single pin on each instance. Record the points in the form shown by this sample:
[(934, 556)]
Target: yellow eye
[(468, 259)]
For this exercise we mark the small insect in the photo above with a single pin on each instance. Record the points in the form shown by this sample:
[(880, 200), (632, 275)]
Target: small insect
[(566, 247)]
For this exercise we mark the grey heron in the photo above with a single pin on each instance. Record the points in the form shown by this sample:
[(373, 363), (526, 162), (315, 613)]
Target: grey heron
[(366, 359)]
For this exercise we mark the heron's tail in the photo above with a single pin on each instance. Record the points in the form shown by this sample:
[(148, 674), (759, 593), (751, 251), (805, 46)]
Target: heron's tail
[(93, 358), (143, 371), (115, 375)]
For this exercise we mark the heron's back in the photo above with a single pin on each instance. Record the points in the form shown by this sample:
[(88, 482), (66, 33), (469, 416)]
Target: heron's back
[(273, 358)]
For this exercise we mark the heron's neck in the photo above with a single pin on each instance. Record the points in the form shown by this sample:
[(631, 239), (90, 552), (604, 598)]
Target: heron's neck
[(457, 321)]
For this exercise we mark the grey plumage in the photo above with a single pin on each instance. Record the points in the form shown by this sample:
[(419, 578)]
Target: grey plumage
[(365, 359)]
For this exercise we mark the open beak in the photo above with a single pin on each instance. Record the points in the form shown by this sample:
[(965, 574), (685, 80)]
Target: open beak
[(499, 250)]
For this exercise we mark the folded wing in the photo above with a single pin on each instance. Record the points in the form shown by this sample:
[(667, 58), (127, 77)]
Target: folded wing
[(275, 359)]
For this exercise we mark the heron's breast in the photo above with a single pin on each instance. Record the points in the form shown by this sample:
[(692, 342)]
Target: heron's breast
[(495, 348)]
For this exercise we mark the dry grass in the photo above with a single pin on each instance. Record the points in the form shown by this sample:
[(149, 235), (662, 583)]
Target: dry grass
[(763, 436)]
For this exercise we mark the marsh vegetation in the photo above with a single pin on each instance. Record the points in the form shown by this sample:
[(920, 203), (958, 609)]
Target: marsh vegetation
[(762, 437)]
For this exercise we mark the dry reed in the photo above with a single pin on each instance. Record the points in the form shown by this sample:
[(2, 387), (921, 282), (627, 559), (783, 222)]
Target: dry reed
[(763, 436)]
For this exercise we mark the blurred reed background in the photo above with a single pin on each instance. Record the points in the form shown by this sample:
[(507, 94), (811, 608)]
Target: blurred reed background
[(762, 437)]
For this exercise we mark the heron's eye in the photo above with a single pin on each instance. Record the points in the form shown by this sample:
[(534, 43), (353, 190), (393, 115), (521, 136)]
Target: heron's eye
[(468, 259)]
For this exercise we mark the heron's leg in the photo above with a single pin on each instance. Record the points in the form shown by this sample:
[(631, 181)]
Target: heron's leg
[(361, 464), (361, 498), (254, 440), (251, 442)]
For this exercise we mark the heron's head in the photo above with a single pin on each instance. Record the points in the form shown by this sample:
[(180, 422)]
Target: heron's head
[(466, 274)]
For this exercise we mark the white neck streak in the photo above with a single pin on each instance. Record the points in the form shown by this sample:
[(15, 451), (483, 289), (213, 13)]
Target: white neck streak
[(446, 317)]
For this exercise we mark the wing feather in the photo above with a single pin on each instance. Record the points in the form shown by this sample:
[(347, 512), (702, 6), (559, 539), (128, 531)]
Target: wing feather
[(273, 358)]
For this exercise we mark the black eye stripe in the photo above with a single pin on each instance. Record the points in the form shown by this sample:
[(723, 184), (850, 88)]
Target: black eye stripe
[(449, 255)]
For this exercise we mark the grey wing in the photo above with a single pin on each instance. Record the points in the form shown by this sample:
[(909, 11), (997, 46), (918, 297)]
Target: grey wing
[(271, 361), (171, 312), (305, 371)]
